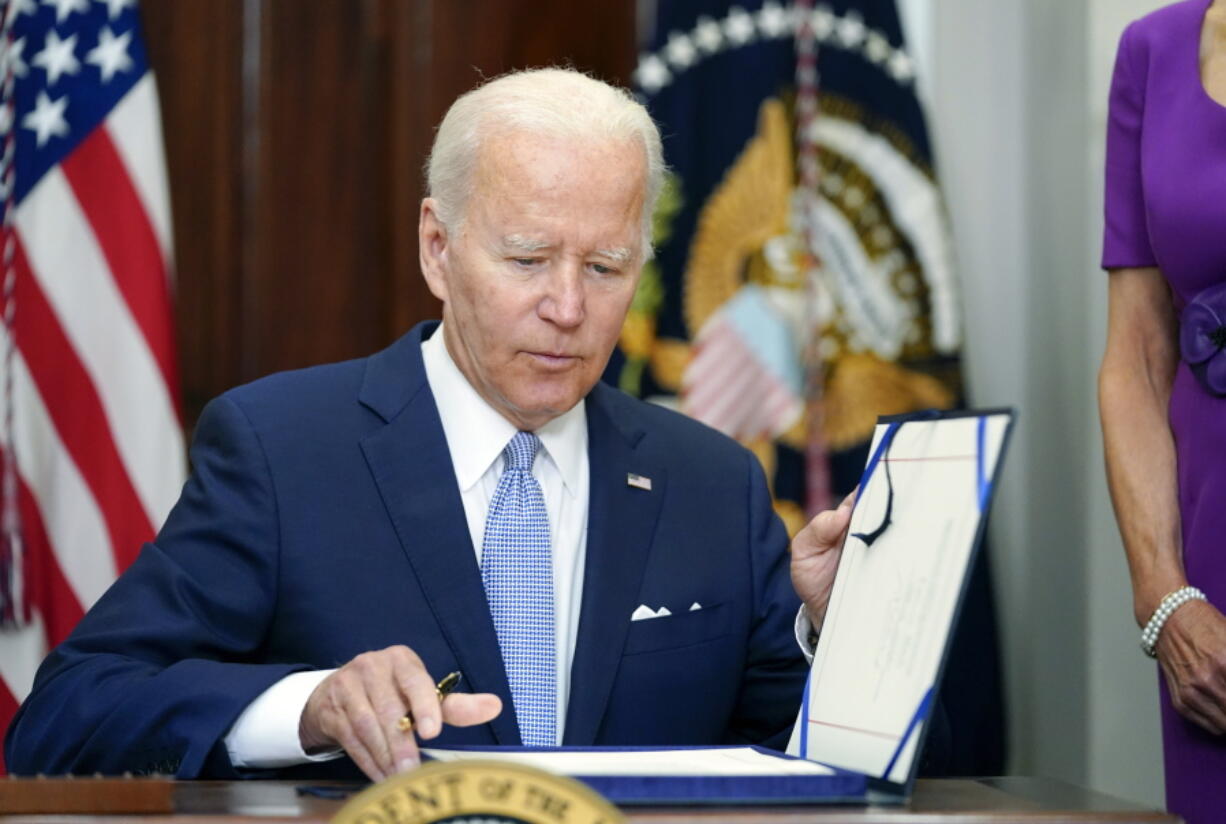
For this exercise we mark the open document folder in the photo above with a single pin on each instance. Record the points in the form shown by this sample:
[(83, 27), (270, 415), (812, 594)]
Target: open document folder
[(917, 524)]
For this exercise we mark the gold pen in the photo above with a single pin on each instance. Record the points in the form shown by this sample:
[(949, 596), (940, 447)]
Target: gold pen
[(450, 681)]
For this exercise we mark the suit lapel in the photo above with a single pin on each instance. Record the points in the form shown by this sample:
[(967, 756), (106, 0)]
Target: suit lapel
[(411, 466), (621, 524)]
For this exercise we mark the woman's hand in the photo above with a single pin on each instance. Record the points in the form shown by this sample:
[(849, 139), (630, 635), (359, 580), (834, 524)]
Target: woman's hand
[(1192, 652)]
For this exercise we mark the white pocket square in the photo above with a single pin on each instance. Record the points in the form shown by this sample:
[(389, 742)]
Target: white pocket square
[(644, 612)]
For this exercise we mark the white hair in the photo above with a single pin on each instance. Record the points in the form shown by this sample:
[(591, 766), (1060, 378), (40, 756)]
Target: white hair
[(553, 102)]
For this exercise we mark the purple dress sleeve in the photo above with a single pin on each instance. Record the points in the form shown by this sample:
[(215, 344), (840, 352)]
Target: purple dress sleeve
[(1126, 232)]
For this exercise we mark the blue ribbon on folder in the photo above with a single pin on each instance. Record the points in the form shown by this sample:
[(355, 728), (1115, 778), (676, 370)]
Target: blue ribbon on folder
[(985, 485), (920, 714)]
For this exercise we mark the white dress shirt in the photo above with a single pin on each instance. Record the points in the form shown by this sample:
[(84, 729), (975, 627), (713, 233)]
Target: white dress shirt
[(476, 435), (265, 735)]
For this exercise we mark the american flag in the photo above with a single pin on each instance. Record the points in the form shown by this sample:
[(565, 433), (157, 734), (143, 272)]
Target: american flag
[(93, 454)]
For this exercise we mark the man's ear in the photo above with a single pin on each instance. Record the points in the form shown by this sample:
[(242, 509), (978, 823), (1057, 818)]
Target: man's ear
[(432, 248)]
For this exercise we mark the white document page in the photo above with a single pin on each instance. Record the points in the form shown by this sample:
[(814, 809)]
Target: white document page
[(895, 593), (732, 761)]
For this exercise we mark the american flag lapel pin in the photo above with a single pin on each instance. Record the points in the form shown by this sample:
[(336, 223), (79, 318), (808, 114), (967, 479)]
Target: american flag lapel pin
[(638, 481)]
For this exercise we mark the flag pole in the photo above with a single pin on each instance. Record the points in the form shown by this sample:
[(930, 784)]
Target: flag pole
[(11, 612), (818, 495)]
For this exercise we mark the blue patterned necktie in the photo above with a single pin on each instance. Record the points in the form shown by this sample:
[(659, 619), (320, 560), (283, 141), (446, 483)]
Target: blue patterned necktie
[(517, 570)]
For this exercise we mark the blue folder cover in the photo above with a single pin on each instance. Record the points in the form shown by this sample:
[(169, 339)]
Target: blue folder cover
[(840, 786)]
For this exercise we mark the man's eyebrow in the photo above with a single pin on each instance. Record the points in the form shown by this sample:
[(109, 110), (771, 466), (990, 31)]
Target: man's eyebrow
[(524, 244), (619, 254)]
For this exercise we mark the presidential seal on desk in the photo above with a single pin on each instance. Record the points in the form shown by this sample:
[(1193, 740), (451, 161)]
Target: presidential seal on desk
[(478, 792)]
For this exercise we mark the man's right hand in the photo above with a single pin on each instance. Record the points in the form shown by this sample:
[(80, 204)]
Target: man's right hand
[(816, 550), (358, 708)]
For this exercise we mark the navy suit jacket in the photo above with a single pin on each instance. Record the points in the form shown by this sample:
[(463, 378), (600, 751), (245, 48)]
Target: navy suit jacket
[(322, 519)]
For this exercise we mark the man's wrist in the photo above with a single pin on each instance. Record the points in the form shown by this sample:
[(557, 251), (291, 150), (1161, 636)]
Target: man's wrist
[(806, 634), (267, 733)]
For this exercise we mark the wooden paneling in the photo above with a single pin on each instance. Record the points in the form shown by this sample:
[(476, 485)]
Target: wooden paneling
[(296, 131), (195, 48), (499, 35), (320, 249), (410, 130)]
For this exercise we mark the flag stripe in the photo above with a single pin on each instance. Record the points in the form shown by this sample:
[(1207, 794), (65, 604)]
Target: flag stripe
[(75, 528), (21, 650), (754, 404), (726, 413), (113, 208), (135, 126), (95, 318), (69, 400), (47, 590), (782, 410), (8, 704), (703, 380), (8, 708), (720, 389), (709, 350)]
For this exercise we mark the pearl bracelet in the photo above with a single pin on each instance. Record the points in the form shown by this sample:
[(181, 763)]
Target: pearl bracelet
[(1172, 602)]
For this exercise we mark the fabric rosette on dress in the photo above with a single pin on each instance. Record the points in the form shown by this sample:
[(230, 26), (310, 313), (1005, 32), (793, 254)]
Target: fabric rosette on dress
[(1202, 338)]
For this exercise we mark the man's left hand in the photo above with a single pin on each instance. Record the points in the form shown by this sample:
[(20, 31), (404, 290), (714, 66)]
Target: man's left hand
[(816, 550)]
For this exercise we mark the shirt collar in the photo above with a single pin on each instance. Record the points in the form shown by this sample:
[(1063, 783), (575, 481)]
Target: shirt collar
[(476, 433)]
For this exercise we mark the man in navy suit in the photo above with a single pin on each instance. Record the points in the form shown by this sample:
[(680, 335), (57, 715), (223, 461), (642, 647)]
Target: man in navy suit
[(324, 565)]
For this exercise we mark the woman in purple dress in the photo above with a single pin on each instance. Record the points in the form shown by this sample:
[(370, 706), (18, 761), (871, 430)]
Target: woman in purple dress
[(1162, 386)]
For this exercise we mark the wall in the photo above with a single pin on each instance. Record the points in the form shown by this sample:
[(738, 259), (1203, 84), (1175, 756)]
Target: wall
[(1018, 102), (980, 118)]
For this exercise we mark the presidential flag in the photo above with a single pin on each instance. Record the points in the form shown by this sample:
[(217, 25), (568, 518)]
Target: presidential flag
[(804, 280), (93, 452)]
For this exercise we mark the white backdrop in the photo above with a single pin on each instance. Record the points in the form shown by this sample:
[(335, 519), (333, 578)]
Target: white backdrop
[(1016, 93)]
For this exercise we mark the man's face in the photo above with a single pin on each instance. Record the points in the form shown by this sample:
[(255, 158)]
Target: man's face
[(537, 280)]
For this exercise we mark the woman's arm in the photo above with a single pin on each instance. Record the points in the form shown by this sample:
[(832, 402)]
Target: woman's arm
[(1134, 391)]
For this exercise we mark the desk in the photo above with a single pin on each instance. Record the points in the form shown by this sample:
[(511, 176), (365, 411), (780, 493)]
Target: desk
[(1009, 800)]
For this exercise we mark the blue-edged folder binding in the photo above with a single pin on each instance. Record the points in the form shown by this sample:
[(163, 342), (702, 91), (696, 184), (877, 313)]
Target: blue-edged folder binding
[(922, 509), (840, 786)]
